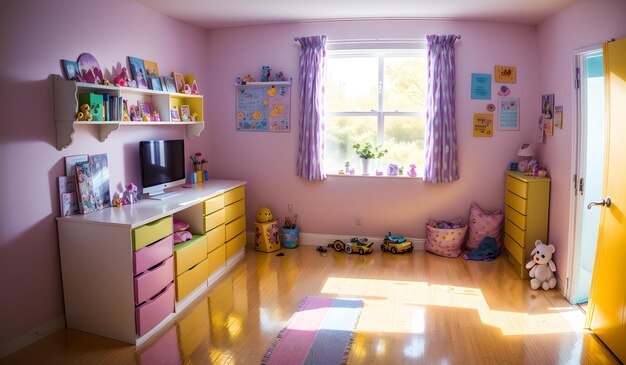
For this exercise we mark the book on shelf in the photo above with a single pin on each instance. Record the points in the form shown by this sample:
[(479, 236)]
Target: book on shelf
[(99, 165), (87, 201), (106, 107), (67, 195)]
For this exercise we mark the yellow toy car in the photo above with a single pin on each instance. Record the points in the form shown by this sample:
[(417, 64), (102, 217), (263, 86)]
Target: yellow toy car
[(395, 243), (361, 246)]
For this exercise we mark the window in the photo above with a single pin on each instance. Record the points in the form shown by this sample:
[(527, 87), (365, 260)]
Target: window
[(377, 97)]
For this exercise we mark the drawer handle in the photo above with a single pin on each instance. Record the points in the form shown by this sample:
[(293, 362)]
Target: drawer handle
[(605, 202)]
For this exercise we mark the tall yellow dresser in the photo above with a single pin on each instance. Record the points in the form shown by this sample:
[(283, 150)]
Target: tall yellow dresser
[(527, 204)]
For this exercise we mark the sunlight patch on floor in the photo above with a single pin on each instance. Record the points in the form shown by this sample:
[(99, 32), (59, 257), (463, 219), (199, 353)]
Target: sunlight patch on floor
[(400, 307)]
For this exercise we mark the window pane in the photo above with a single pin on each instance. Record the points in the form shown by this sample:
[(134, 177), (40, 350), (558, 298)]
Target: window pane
[(404, 138), (341, 133), (405, 84), (351, 84)]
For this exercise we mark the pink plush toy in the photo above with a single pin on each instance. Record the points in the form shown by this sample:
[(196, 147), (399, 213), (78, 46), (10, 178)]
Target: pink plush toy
[(412, 171), (122, 79)]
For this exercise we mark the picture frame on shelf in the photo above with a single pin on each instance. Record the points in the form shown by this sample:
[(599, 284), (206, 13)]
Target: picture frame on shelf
[(70, 68), (89, 68), (168, 84), (174, 116), (152, 69), (185, 113), (138, 70), (155, 83), (179, 81), (146, 108)]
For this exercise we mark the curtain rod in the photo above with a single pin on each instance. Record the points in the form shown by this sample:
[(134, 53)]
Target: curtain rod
[(377, 40)]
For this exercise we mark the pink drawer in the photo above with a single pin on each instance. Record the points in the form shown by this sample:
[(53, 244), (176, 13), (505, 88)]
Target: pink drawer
[(152, 254), (153, 280), (151, 313)]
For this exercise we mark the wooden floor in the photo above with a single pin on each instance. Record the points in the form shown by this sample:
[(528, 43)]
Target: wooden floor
[(419, 309)]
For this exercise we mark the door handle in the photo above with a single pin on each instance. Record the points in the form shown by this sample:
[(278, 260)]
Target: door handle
[(605, 202)]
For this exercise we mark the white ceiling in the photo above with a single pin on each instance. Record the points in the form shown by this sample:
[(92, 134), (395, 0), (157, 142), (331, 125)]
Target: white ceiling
[(213, 14)]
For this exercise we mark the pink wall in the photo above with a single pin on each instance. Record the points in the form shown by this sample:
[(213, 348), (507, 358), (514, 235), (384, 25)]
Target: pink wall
[(586, 23), (35, 35), (267, 160)]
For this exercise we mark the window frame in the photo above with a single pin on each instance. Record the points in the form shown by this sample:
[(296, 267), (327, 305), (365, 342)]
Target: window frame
[(379, 114)]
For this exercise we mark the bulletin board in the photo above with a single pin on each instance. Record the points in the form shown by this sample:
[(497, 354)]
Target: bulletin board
[(263, 108)]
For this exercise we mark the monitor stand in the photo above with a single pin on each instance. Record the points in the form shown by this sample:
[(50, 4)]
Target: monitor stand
[(163, 196)]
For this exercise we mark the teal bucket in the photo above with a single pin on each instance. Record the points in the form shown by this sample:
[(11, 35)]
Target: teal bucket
[(290, 237)]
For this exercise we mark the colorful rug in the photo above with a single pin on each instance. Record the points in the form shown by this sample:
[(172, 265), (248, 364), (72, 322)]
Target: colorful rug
[(320, 332)]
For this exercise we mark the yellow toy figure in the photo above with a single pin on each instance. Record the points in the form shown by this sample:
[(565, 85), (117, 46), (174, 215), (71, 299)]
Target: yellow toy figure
[(266, 231)]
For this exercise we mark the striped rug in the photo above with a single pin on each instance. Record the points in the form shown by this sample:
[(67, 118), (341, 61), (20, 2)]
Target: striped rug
[(320, 332)]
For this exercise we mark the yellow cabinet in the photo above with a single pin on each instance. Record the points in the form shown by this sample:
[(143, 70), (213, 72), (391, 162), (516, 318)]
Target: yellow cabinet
[(527, 202), (189, 253), (152, 232)]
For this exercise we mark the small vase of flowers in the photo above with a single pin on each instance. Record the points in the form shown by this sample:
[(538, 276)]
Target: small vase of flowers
[(198, 161), (367, 152)]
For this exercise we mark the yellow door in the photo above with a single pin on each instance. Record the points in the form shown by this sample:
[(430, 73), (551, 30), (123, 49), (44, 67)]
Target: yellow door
[(607, 304)]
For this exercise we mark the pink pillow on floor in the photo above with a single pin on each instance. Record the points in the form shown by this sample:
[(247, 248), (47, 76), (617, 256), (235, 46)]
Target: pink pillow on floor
[(180, 225), (484, 224), (182, 236)]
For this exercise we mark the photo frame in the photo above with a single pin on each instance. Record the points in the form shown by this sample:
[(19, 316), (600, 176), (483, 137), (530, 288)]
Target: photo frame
[(152, 69), (174, 116), (185, 113), (138, 70), (70, 68), (505, 74), (146, 108), (168, 84), (179, 81), (155, 83), (89, 68)]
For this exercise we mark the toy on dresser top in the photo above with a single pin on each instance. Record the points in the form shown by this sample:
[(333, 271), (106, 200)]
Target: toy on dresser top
[(266, 76)]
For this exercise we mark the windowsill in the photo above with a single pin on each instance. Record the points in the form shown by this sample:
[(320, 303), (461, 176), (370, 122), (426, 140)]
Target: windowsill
[(377, 177)]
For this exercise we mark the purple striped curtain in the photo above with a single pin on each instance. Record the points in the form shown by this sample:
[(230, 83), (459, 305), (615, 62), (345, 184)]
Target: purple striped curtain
[(440, 144), (312, 130)]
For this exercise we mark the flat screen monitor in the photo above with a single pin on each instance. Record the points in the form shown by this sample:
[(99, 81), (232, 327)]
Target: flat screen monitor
[(162, 165)]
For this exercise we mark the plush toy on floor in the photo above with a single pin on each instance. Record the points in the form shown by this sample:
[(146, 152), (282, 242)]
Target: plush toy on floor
[(542, 267)]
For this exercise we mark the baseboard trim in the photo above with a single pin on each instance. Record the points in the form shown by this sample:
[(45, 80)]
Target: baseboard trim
[(32, 336), (316, 239)]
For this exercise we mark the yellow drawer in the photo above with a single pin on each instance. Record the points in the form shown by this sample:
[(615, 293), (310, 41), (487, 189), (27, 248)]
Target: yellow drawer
[(213, 220), (233, 246), (235, 210), (515, 232), (234, 195), (515, 217), (515, 202), (215, 238), (189, 253), (517, 187), (514, 249), (191, 279), (152, 232), (216, 259), (235, 227), (213, 204)]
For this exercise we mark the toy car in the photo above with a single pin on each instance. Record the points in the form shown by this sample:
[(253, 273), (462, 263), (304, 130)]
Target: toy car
[(356, 245), (395, 243)]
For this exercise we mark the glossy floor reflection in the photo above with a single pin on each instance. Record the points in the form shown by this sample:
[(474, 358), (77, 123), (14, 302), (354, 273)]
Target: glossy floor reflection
[(419, 308)]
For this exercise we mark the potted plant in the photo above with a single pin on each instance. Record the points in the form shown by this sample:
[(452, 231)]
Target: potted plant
[(367, 152)]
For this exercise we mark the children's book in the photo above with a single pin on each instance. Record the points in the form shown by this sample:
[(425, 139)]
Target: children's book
[(87, 201), (70, 163), (67, 195), (100, 179)]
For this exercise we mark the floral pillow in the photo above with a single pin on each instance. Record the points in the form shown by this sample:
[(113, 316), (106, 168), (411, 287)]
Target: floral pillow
[(484, 224)]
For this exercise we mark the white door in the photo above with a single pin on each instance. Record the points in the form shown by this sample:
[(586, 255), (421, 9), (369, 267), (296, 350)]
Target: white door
[(590, 169)]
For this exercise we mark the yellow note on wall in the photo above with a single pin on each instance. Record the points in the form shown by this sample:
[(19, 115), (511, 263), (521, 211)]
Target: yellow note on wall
[(483, 125)]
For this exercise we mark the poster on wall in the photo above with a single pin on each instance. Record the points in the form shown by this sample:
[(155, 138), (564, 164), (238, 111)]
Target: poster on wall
[(539, 135), (481, 86), (506, 74), (508, 114), (483, 125), (547, 113), (558, 116), (263, 108)]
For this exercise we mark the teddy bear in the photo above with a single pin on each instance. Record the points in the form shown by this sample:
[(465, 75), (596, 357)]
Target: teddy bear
[(542, 267)]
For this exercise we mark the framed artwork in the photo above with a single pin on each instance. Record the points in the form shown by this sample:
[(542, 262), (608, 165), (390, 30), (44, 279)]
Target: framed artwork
[(506, 74), (508, 114), (179, 81), (151, 68), (558, 116), (185, 113), (138, 71), (547, 113), (71, 70), (90, 69), (71, 161), (145, 108), (263, 108), (168, 84), (481, 86), (155, 83), (174, 116), (483, 125)]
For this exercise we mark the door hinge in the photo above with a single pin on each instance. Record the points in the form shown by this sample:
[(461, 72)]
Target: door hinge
[(577, 78), (581, 186)]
